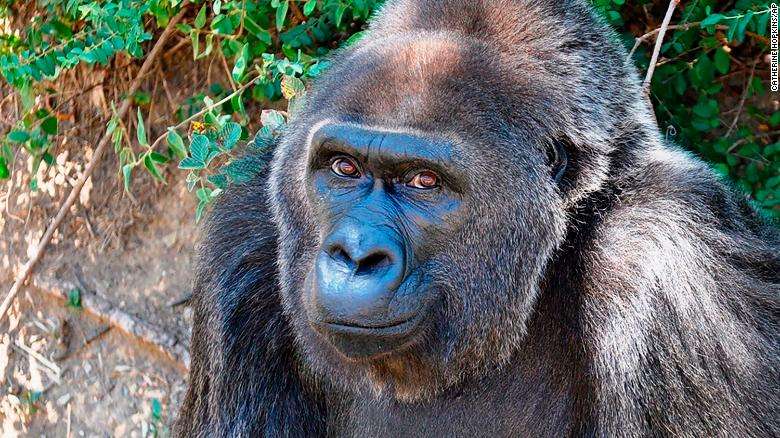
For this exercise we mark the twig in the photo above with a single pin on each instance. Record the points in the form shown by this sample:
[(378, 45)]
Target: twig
[(103, 309), (742, 101), (205, 110), (184, 299), (686, 26), (655, 32), (96, 156), (658, 43), (227, 69), (67, 429), (745, 140), (182, 42), (51, 366), (297, 13), (10, 189)]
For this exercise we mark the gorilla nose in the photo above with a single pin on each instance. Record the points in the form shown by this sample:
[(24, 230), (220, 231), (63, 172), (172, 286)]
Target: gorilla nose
[(358, 272), (366, 261)]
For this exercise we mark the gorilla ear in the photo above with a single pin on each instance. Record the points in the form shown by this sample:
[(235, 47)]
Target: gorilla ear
[(558, 157)]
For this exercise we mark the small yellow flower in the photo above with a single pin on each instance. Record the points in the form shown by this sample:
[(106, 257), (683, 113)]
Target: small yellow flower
[(198, 127)]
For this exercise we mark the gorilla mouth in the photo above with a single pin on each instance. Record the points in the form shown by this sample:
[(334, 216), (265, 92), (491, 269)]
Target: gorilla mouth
[(389, 327), (367, 342)]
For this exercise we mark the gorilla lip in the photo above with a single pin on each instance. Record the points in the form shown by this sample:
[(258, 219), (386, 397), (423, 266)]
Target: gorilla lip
[(379, 329), (360, 342)]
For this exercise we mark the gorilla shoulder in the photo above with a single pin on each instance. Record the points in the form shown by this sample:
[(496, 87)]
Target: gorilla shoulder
[(678, 253)]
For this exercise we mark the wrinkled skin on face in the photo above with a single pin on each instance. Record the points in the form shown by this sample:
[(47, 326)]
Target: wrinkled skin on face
[(414, 245)]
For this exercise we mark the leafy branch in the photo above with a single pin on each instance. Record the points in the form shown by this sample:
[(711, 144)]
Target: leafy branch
[(90, 168)]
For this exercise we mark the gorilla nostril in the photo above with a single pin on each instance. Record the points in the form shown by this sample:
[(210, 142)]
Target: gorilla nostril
[(372, 262), (339, 254)]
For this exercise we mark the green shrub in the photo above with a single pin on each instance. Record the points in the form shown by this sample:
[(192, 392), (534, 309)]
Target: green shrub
[(276, 46)]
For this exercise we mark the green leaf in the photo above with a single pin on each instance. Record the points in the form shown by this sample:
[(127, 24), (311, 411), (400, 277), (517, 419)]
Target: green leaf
[(722, 61), (743, 25), (761, 27), (140, 133), (49, 125), (774, 119), (357, 36), (127, 173), (339, 14), (281, 14), (217, 7), (156, 409), (150, 166), (230, 134), (200, 20), (192, 180), (26, 95), (308, 8), (722, 169), (272, 119), (159, 158), (240, 67), (18, 136), (199, 210), (237, 104), (203, 194), (142, 98), (244, 169), (4, 172), (6, 152), (176, 143), (219, 180), (292, 87), (74, 298), (712, 20), (190, 163), (195, 41), (264, 139), (209, 47), (199, 148)]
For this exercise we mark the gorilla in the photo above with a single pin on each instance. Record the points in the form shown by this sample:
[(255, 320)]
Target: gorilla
[(472, 227)]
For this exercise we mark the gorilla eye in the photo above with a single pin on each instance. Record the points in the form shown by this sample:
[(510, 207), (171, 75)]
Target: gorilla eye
[(343, 166), (424, 180)]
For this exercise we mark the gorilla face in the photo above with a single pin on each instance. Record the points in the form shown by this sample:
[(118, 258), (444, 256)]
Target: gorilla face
[(415, 227), (384, 202)]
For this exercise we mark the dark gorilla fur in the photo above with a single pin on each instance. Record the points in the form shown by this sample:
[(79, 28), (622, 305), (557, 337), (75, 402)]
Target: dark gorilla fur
[(638, 295)]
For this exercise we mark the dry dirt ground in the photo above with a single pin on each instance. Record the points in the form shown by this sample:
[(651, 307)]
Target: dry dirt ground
[(116, 364)]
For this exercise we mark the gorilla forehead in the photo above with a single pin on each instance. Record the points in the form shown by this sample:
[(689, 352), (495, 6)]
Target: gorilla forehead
[(437, 82)]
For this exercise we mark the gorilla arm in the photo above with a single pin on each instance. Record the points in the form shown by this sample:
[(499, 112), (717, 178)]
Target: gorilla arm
[(245, 377)]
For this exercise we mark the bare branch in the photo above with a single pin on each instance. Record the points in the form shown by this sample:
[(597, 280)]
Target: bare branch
[(742, 101), (658, 43)]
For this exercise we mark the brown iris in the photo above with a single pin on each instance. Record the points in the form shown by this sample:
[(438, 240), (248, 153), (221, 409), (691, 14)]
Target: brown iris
[(425, 180), (345, 167)]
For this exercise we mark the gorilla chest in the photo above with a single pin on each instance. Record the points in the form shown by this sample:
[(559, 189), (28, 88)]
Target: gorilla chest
[(521, 406)]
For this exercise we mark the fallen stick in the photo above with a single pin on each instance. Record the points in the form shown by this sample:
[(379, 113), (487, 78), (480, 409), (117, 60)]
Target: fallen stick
[(98, 154), (101, 308), (51, 366)]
